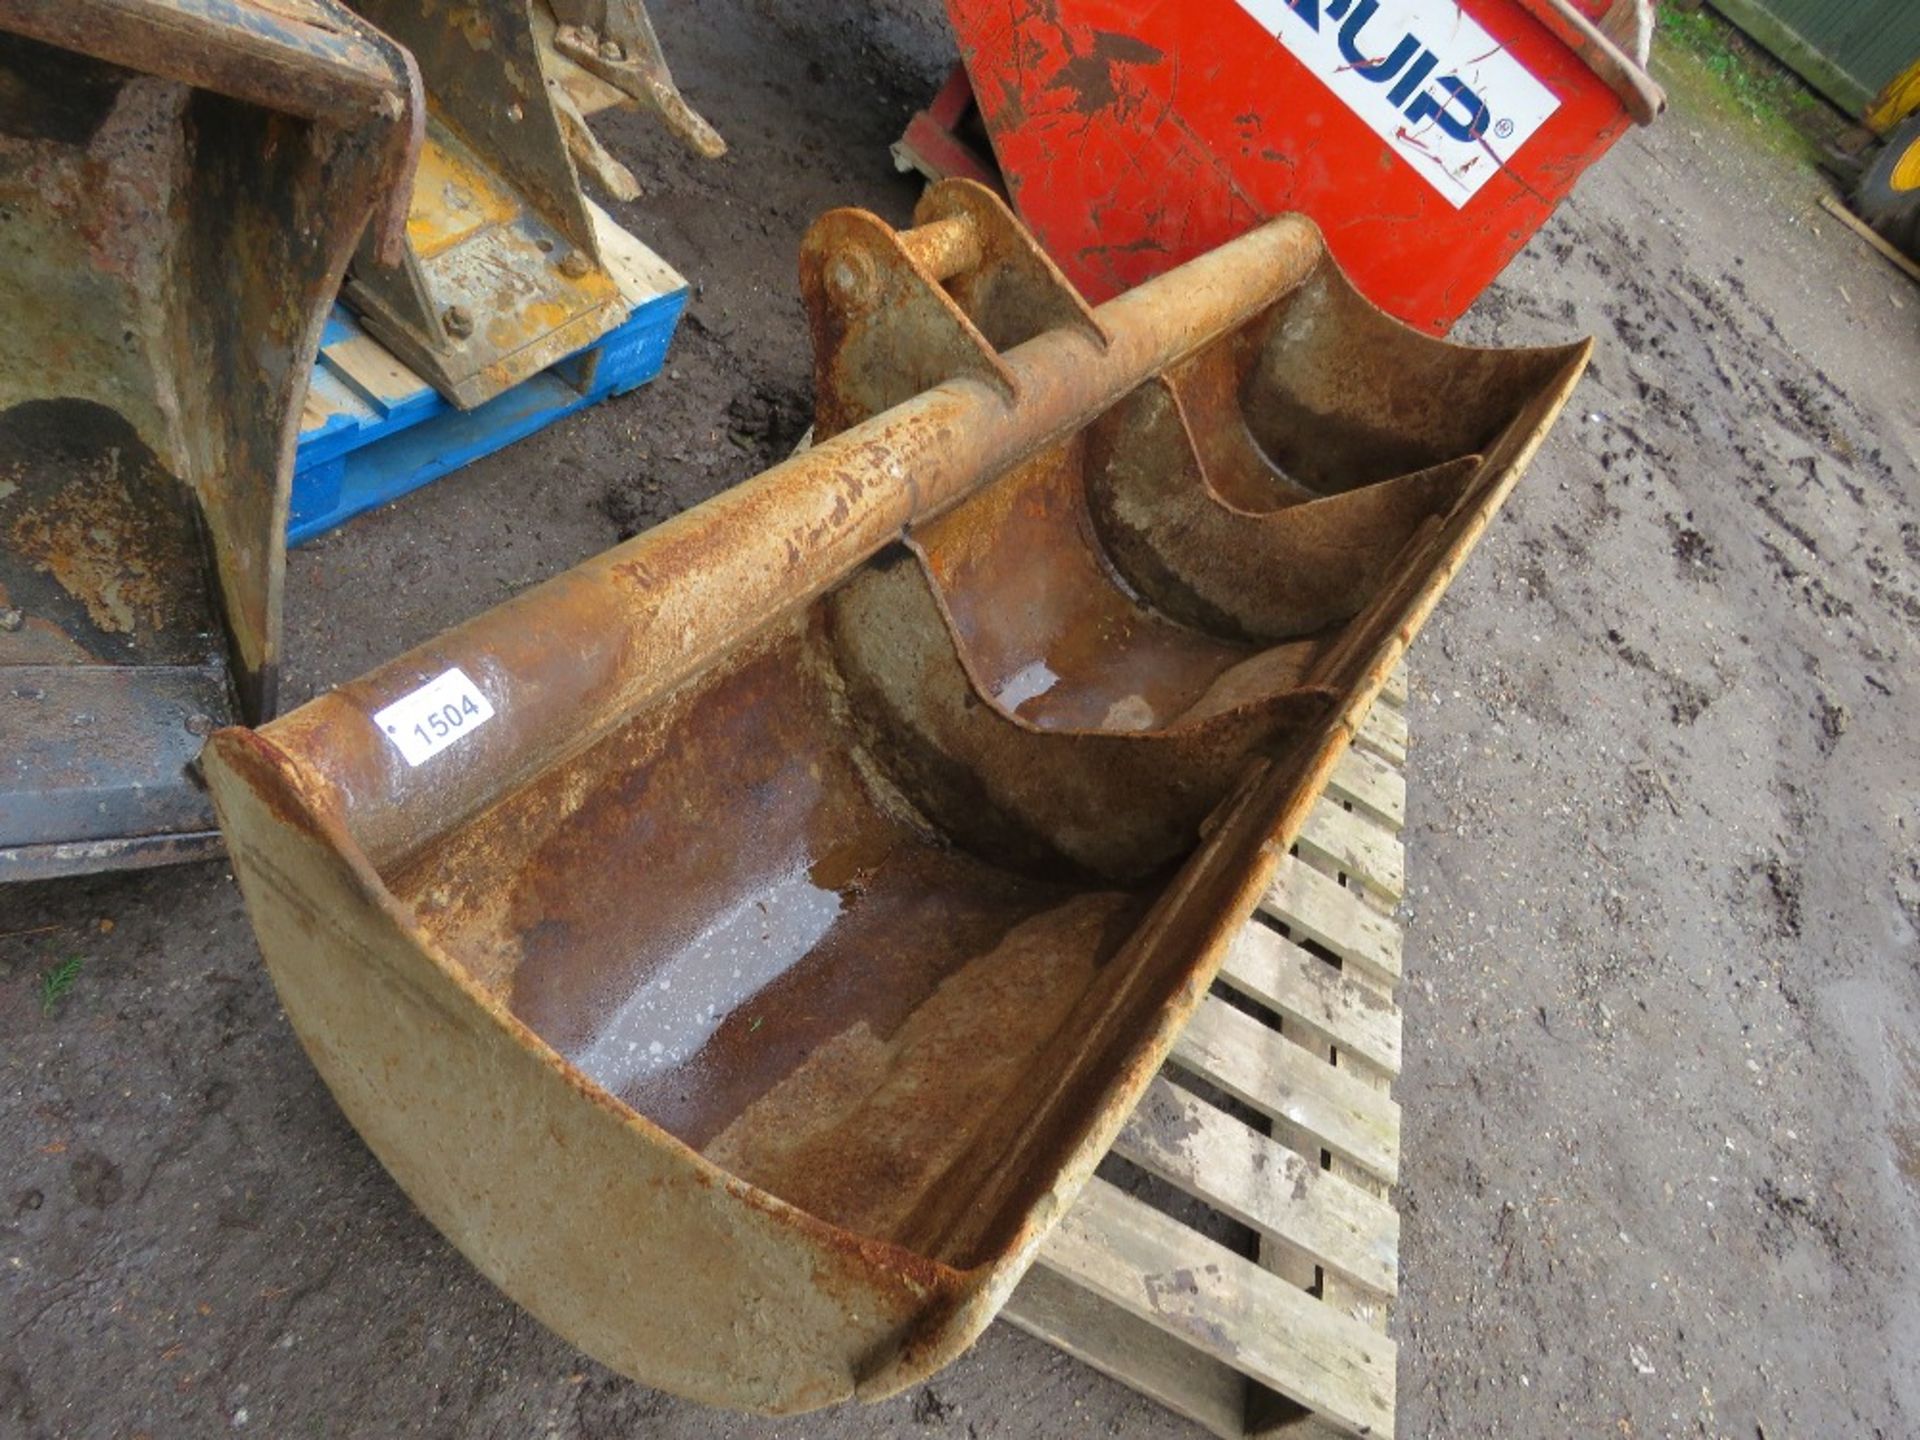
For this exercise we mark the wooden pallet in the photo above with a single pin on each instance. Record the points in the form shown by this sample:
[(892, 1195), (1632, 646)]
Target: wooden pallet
[(1293, 1340)]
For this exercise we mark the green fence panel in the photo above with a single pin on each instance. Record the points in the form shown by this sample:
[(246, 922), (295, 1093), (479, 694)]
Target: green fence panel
[(1846, 49)]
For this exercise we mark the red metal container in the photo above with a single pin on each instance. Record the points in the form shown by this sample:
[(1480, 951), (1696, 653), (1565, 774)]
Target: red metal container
[(1428, 138)]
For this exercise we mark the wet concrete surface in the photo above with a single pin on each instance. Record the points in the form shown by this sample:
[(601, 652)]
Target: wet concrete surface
[(1662, 1169)]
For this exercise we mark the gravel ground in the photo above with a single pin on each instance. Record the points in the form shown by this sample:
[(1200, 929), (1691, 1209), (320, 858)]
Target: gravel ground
[(1662, 1170)]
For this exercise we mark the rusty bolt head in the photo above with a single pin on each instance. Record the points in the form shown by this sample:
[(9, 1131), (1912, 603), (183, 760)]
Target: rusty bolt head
[(611, 50), (851, 276), (459, 321), (200, 725), (11, 620), (575, 264)]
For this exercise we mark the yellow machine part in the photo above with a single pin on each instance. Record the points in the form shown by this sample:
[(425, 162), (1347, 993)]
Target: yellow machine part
[(1906, 167), (1900, 99), (1887, 196)]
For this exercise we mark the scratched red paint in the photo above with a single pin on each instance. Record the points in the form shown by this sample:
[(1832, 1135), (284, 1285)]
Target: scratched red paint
[(1136, 136)]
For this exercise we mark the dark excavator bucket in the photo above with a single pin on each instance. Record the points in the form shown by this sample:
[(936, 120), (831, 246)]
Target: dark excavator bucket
[(503, 272), (744, 945), (181, 184)]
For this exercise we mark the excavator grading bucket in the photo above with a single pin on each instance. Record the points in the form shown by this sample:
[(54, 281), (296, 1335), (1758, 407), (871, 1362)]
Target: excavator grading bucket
[(181, 184), (744, 945)]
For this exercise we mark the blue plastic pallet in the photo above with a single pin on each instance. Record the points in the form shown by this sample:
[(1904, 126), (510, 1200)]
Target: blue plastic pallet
[(372, 430)]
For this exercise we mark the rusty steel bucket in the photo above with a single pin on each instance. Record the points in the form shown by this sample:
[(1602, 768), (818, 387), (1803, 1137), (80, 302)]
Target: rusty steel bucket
[(744, 945), (182, 183)]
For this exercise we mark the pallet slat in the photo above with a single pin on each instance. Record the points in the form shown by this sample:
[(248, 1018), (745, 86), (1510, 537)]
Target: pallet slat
[(1226, 1306), (1394, 692), (1370, 784), (1133, 1351), (370, 370), (1357, 846), (1384, 732), (1265, 966), (1265, 1186), (1235, 1344), (1314, 907), (1282, 1080)]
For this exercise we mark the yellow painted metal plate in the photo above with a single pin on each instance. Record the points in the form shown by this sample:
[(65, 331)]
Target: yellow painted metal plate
[(1900, 99), (454, 197)]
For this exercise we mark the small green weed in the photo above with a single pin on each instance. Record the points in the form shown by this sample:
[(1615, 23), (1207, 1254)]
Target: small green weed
[(1706, 61), (55, 983)]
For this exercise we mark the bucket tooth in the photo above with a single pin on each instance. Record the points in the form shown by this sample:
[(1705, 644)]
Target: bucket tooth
[(799, 896), (615, 41), (589, 155)]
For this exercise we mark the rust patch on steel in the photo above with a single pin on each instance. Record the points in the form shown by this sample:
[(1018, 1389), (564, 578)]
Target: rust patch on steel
[(250, 755), (85, 503)]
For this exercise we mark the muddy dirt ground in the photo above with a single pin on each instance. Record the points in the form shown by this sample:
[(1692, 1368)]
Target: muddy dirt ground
[(1662, 1092)]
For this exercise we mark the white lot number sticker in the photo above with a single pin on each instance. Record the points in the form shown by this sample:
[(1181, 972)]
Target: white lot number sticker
[(442, 712), (1423, 76)]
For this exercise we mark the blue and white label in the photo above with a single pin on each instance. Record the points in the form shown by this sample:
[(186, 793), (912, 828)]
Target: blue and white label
[(1423, 76), (438, 715)]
